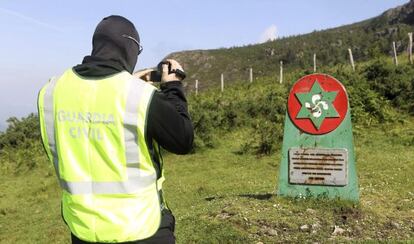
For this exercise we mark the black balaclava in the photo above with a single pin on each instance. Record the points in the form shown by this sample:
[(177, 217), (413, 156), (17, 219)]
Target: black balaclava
[(112, 52)]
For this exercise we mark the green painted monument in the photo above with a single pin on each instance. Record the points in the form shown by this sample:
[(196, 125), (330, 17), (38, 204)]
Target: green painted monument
[(318, 157)]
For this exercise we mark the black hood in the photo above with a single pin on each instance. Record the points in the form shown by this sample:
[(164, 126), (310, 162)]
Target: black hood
[(112, 52)]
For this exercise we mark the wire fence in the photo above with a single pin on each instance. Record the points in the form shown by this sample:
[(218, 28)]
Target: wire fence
[(351, 63)]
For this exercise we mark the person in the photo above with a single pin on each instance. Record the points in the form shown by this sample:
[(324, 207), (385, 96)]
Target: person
[(102, 128)]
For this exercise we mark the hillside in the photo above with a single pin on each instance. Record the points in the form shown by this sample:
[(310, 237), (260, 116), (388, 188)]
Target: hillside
[(367, 39)]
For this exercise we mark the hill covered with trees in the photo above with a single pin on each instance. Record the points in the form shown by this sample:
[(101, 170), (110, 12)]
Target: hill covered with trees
[(367, 39)]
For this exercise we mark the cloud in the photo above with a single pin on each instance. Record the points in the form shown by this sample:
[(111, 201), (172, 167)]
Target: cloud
[(269, 34), (31, 20)]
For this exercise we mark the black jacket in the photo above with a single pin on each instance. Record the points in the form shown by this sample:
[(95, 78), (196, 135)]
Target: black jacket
[(168, 123)]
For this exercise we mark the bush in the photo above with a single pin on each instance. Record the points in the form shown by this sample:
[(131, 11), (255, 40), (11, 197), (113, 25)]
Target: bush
[(21, 149), (20, 132), (377, 91), (264, 138), (393, 83)]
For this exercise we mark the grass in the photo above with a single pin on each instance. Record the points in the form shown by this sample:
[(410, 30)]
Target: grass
[(30, 208), (219, 196)]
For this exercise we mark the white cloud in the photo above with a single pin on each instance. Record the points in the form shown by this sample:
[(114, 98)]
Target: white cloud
[(269, 34)]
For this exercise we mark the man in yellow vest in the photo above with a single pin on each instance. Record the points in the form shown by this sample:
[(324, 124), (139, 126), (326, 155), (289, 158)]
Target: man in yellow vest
[(102, 128)]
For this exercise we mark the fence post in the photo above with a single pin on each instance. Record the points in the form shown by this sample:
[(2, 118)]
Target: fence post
[(196, 87), (314, 63), (395, 54), (281, 72), (251, 75), (222, 82), (410, 47), (351, 59)]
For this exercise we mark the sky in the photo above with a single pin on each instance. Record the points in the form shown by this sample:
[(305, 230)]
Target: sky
[(40, 39)]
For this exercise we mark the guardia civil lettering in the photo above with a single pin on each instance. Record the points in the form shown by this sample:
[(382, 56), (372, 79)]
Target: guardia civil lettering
[(85, 117)]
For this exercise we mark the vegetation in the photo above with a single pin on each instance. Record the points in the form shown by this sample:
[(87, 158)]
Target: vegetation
[(20, 132), (379, 92), (367, 39), (224, 191)]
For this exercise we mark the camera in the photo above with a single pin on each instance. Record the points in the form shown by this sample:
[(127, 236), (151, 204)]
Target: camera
[(155, 75)]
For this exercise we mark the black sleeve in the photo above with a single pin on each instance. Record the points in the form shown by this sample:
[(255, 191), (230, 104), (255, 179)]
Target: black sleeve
[(169, 123)]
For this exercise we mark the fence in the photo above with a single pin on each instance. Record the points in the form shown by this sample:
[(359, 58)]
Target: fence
[(351, 62)]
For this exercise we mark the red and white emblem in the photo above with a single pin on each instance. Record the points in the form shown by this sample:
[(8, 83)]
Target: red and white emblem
[(317, 104)]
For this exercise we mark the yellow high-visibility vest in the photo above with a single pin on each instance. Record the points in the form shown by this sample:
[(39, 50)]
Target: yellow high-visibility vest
[(93, 131)]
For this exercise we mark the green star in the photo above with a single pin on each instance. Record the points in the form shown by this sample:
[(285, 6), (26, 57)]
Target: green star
[(317, 105)]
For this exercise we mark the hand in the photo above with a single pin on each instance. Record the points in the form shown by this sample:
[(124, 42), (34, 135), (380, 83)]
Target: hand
[(168, 71), (144, 75)]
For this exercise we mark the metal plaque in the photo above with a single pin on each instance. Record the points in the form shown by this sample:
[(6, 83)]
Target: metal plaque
[(318, 166)]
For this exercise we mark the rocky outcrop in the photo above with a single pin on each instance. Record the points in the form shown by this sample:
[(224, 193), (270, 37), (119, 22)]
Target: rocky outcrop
[(402, 14)]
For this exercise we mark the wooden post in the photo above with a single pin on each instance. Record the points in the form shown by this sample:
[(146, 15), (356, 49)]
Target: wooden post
[(281, 72), (251, 75), (196, 87), (314, 63), (395, 54), (351, 59), (410, 47), (222, 82)]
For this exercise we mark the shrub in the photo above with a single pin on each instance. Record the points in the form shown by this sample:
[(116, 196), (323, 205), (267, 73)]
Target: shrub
[(263, 139), (20, 132)]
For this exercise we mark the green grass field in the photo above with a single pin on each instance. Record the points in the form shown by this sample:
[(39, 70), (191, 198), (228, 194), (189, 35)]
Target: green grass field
[(219, 196)]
